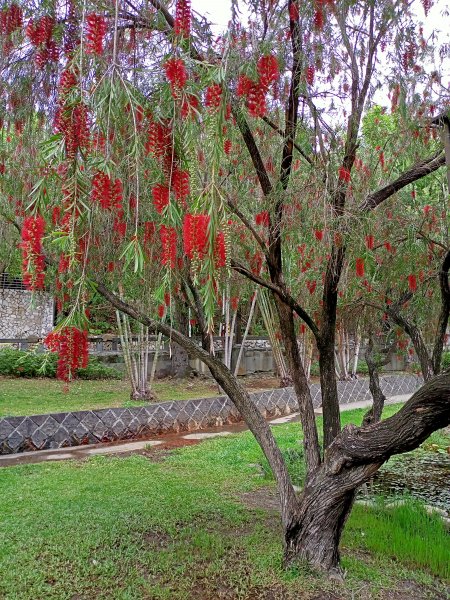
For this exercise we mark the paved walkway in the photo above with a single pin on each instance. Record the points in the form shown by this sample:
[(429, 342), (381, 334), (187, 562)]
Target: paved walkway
[(163, 441)]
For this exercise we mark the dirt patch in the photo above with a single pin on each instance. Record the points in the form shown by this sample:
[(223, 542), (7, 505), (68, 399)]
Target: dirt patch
[(263, 497), (157, 539), (408, 590)]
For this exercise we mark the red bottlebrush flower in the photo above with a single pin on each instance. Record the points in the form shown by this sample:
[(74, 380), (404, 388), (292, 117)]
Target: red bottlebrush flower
[(426, 6), (412, 283), (318, 233), (319, 19), (111, 267), (120, 227), (96, 28), (71, 345), (56, 214), (213, 96), (344, 174), (180, 185), (426, 210), (167, 299), (262, 218), (41, 31), (256, 263), (370, 242), (73, 123), (161, 311), (176, 74), (360, 267), (382, 159), (160, 195), (64, 263), (256, 101), (302, 328), (310, 74), (195, 235), (189, 105), (168, 237), (149, 231), (227, 147), (234, 301), (159, 140), (294, 13), (311, 285), (220, 251), (67, 82), (182, 21), (268, 70), (11, 19), (388, 246), (244, 85), (33, 262)]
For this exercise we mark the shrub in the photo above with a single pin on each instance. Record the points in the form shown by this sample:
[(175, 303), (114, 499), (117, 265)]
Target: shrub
[(19, 363)]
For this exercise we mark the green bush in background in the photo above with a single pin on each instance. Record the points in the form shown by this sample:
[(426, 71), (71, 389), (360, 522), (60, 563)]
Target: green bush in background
[(20, 363)]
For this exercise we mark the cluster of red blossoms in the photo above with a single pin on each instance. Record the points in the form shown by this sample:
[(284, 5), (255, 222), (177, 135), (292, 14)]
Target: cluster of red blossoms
[(220, 251), (96, 28), (262, 218), (71, 344), (319, 13), (160, 195), (195, 235), (11, 19), (213, 97), (182, 21), (72, 120), (176, 74), (168, 237), (40, 34), (33, 262), (255, 92), (106, 192)]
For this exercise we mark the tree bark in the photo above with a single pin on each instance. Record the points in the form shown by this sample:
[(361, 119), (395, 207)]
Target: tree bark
[(354, 456), (301, 387), (373, 415)]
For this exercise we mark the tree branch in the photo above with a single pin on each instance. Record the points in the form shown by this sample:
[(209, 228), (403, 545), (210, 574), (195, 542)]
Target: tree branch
[(425, 167), (280, 132)]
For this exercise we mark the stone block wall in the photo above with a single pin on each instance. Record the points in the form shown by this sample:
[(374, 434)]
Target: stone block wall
[(58, 430), (24, 314)]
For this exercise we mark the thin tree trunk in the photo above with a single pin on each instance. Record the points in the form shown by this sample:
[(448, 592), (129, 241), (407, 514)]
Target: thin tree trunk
[(247, 329), (373, 415)]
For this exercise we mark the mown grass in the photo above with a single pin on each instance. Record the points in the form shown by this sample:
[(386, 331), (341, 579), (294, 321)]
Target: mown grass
[(133, 528), (39, 396)]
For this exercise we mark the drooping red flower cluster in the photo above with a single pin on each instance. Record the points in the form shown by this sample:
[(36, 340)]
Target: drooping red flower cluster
[(195, 235), (370, 242), (268, 71), (213, 97), (168, 236), (176, 74), (106, 192), (359, 266), (159, 139), (180, 185), (33, 262), (160, 194), (255, 92), (72, 120), (189, 105), (412, 283), (182, 21), (220, 251), (227, 146), (71, 345), (262, 218), (40, 35), (427, 4), (344, 174), (149, 231), (11, 19), (96, 28), (309, 75), (294, 13)]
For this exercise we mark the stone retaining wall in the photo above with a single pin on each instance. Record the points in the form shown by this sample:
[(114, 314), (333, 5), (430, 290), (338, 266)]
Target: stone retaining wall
[(24, 314), (58, 430)]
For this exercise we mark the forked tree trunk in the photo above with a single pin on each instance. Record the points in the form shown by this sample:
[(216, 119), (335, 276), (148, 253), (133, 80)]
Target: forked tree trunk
[(354, 456), (373, 415)]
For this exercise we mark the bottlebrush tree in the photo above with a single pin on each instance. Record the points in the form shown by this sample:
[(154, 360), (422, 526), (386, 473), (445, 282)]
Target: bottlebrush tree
[(164, 159)]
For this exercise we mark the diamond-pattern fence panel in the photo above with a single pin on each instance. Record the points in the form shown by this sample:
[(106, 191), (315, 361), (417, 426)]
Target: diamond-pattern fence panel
[(59, 430)]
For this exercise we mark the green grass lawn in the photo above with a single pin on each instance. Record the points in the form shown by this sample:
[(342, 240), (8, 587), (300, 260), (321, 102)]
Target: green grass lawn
[(176, 526), (20, 396)]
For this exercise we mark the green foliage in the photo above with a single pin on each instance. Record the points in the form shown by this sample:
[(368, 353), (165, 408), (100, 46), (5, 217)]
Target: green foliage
[(19, 363), (445, 360)]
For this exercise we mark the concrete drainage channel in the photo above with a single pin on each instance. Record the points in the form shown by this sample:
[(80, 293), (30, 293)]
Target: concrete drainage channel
[(166, 442)]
